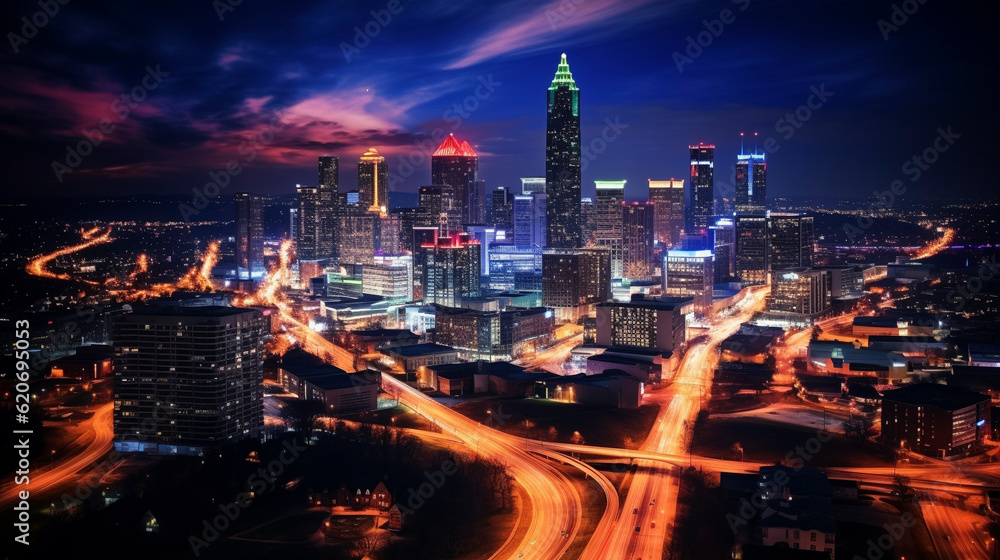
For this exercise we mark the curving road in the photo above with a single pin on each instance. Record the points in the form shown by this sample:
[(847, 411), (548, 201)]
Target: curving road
[(64, 470)]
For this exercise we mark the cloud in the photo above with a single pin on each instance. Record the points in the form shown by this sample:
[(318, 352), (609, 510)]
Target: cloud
[(544, 25)]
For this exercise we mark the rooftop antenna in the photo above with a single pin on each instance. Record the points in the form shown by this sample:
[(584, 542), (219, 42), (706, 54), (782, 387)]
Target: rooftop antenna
[(754, 143), (741, 143)]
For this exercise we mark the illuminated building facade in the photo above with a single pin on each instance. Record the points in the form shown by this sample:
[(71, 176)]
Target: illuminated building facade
[(641, 323), (800, 291), (316, 221), (608, 208), (575, 278), (723, 236), (752, 249), (935, 420), (187, 378), (701, 199), (638, 227), (358, 231), (791, 240), (455, 167), (501, 215), (562, 160), (751, 182), (388, 280), (373, 182), (690, 274), (450, 270), (529, 221), (668, 200), (249, 235), (530, 185)]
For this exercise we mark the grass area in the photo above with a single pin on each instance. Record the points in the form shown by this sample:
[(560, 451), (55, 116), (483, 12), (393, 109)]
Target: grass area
[(742, 403), (401, 416), (542, 419), (344, 529), (768, 442), (499, 526), (593, 502)]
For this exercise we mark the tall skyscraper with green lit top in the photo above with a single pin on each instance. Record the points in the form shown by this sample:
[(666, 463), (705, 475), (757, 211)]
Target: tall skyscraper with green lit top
[(562, 161)]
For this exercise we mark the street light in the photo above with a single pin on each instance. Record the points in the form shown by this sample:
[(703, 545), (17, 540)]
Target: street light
[(490, 415)]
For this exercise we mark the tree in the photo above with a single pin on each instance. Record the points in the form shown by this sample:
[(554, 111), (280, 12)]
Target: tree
[(816, 331), (576, 438), (859, 429), (901, 487), (303, 414), (367, 544), (553, 433)]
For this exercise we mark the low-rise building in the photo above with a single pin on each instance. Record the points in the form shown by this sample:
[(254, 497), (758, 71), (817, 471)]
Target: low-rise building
[(410, 359), (843, 358), (613, 388), (935, 420), (310, 378)]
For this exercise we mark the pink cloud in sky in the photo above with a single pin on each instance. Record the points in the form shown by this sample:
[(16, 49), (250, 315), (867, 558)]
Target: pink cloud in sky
[(544, 24)]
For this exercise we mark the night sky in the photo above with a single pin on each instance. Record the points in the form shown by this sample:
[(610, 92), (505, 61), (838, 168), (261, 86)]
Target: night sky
[(226, 79)]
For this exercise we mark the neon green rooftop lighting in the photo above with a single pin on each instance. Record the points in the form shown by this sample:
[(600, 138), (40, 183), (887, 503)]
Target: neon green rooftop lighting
[(563, 76)]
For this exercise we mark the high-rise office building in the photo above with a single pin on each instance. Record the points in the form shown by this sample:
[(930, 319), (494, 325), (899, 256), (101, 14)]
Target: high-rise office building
[(249, 235), (358, 235), (532, 185), (588, 222), (293, 229), (668, 199), (701, 198), (450, 270), (455, 167), (800, 292), (329, 185), (608, 207), (316, 223), (752, 249), (638, 225), (690, 274), (187, 379), (421, 236), (791, 241), (572, 278), (431, 204), (408, 219), (373, 182), (529, 221), (502, 210), (562, 160), (751, 181), (723, 235), (477, 203), (388, 234)]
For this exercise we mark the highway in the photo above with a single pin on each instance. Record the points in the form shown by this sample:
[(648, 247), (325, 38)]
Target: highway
[(555, 503), (653, 492), (64, 471), (38, 266), (953, 529)]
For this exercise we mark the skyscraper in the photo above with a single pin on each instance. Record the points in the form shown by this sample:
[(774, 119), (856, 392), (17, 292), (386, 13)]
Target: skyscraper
[(477, 203), (668, 199), (562, 160), (532, 185), (373, 182), (331, 206), (690, 274), (574, 278), (316, 221), (429, 200), (450, 269), (723, 235), (249, 235), (608, 206), (529, 221), (751, 181), (637, 240), (791, 241), (455, 168), (752, 249), (701, 199), (187, 379), (502, 210)]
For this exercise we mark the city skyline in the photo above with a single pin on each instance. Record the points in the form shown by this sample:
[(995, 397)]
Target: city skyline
[(340, 102)]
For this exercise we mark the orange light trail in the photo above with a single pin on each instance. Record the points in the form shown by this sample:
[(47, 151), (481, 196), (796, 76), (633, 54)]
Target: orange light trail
[(936, 246), (39, 265)]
